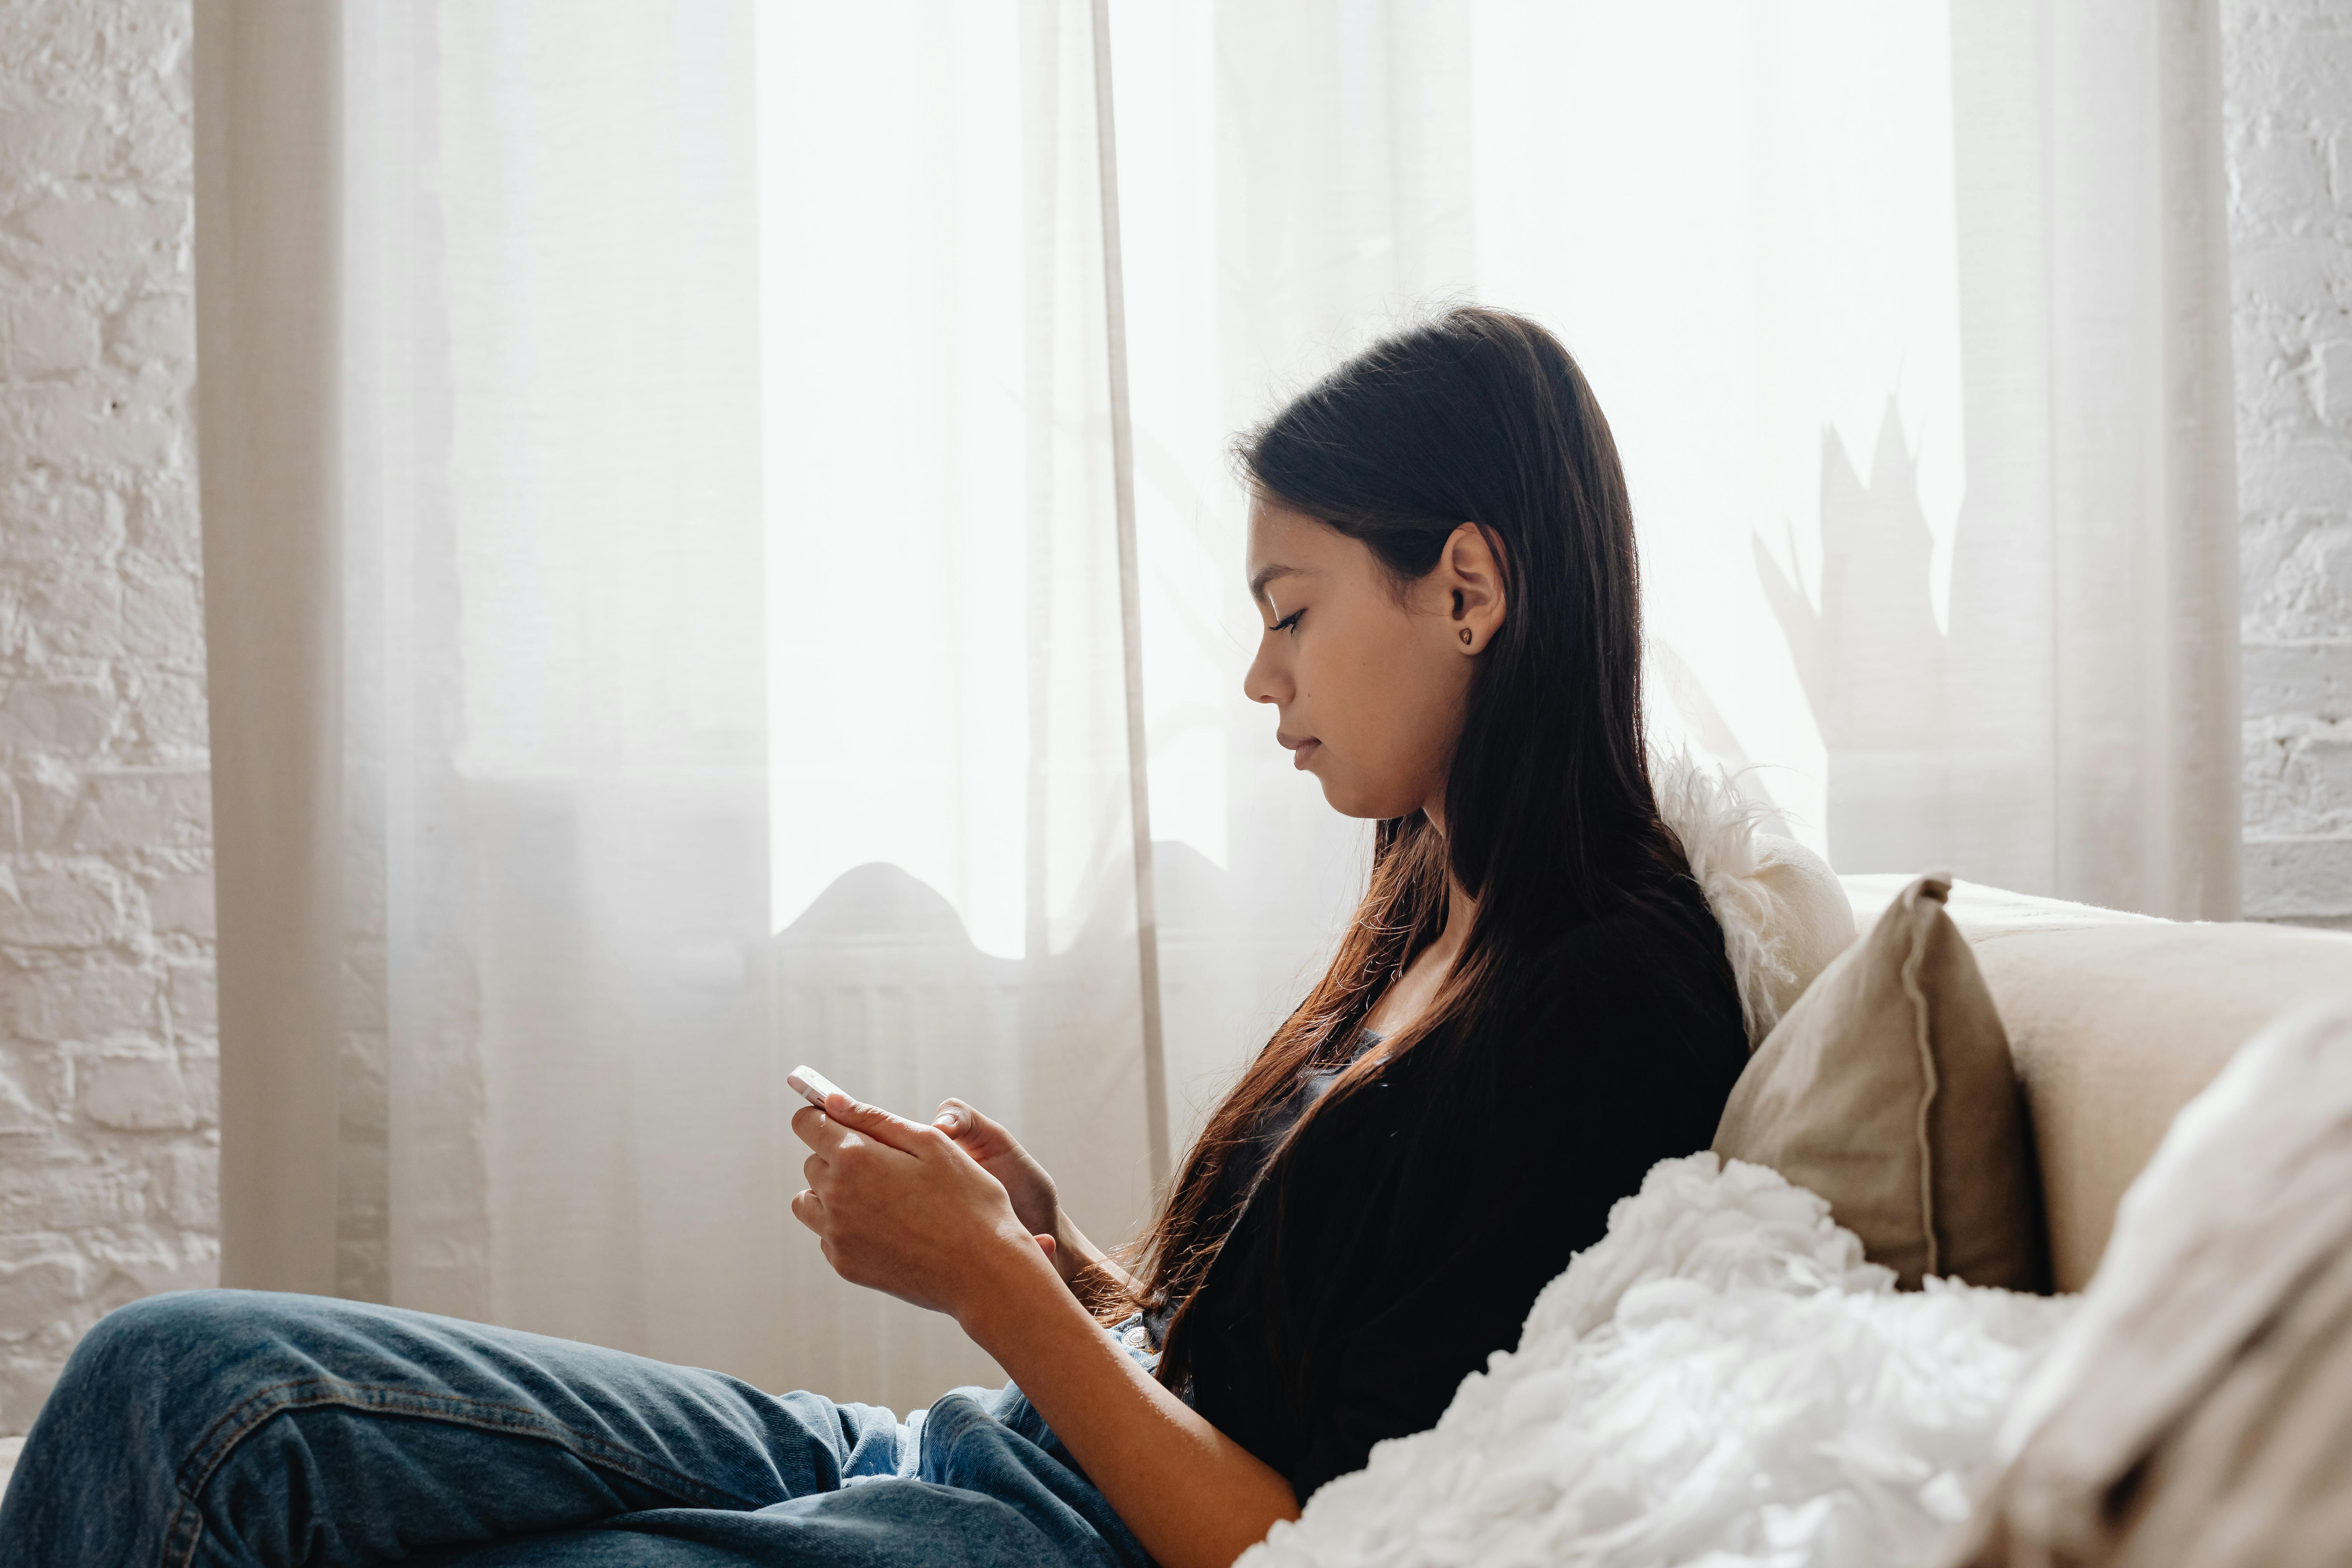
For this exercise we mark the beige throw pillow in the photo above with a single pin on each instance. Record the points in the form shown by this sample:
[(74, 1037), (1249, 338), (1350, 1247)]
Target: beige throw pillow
[(1888, 1090)]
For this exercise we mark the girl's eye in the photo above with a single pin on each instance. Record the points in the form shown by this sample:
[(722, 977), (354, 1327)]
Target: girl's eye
[(1287, 622)]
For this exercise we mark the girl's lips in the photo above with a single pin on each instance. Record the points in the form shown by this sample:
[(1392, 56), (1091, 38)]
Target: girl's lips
[(1298, 757)]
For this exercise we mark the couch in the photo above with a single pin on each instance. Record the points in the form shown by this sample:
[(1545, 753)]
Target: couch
[(2115, 1021)]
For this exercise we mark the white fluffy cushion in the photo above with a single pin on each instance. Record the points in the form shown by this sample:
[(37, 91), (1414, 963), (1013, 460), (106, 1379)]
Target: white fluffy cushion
[(1721, 1381), (1784, 913), (2198, 1410)]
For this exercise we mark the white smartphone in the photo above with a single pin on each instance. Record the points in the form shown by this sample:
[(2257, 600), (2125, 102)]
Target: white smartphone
[(814, 1086)]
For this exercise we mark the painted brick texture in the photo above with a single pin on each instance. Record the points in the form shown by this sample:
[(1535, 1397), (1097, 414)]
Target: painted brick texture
[(108, 1137), (109, 1141), (2287, 109)]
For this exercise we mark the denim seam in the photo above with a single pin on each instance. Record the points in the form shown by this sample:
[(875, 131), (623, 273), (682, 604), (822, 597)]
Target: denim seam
[(243, 1419)]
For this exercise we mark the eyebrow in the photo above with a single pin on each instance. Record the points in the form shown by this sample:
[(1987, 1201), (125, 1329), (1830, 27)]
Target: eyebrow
[(1266, 574)]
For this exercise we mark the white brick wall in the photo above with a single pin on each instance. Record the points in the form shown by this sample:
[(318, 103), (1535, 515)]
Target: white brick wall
[(109, 1143), (2287, 105), (108, 1082)]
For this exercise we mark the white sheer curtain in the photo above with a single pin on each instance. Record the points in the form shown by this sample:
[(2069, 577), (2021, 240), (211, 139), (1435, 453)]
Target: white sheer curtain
[(747, 648), (664, 575)]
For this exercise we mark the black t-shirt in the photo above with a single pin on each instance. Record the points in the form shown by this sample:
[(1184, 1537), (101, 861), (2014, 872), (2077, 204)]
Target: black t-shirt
[(1413, 1223)]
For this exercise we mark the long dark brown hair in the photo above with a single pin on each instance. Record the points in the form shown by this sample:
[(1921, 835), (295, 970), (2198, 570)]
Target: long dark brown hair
[(1477, 416)]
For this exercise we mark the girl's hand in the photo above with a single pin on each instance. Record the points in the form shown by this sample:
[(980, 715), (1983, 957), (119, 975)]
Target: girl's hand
[(905, 1208), (899, 1207), (995, 1150), (1081, 1264)]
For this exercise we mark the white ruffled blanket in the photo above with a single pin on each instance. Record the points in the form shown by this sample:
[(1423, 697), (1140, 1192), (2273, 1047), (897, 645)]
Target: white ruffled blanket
[(1721, 1381)]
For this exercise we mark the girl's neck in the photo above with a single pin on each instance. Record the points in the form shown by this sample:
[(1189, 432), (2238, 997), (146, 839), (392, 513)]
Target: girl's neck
[(1461, 908), (1409, 995)]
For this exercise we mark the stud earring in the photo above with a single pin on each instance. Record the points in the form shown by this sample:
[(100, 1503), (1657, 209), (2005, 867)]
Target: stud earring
[(1465, 636)]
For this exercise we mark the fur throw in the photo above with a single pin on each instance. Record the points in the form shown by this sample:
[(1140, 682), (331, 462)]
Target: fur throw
[(1783, 912)]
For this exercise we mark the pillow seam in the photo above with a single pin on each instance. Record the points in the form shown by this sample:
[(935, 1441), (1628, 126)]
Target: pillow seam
[(1920, 1033)]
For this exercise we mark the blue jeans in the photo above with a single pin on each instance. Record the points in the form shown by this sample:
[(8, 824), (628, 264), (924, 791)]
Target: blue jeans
[(218, 1427)]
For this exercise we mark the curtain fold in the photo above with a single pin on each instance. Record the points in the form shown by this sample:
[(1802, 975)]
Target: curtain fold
[(267, 253), (664, 546), (1913, 319)]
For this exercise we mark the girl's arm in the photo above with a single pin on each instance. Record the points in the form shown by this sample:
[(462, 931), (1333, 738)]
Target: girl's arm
[(1190, 1494), (1034, 1196), (902, 1208)]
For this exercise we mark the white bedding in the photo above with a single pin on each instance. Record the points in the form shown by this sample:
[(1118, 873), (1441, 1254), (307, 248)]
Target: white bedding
[(1721, 1381)]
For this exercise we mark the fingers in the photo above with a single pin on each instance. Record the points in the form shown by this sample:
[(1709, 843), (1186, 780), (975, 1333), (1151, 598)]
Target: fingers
[(842, 1118), (874, 1122), (808, 1208), (1046, 1246), (978, 1136), (818, 1130)]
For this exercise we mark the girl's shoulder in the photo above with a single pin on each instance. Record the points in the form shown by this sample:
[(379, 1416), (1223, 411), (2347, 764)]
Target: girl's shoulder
[(1638, 985), (1670, 939)]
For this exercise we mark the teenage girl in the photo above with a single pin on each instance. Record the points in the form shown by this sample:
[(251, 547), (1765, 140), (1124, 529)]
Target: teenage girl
[(1530, 1006)]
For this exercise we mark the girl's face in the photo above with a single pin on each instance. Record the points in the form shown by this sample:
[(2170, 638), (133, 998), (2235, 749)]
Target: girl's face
[(1369, 680)]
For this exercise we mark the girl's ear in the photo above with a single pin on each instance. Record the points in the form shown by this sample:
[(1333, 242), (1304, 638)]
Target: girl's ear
[(1469, 575)]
